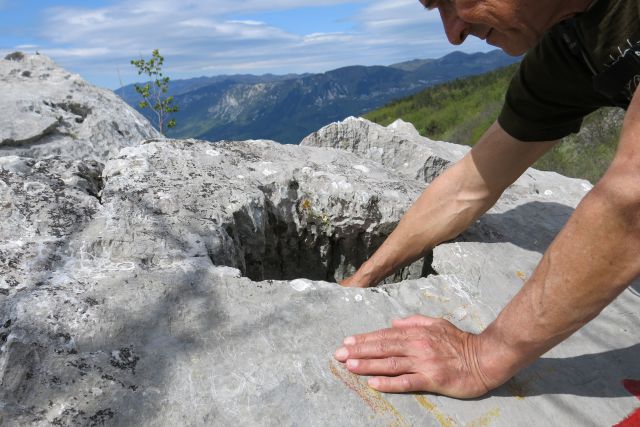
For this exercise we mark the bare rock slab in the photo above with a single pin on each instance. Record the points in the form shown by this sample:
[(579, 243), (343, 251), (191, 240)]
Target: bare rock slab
[(184, 282), (48, 111)]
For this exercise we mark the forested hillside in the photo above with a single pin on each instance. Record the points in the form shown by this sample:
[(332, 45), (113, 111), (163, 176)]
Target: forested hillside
[(288, 108), (460, 111)]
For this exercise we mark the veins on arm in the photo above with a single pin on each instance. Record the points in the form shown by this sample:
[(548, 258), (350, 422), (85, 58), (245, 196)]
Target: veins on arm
[(591, 261)]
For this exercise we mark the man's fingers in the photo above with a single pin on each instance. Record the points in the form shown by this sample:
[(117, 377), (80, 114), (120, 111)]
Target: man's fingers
[(397, 334), (375, 350), (416, 320), (391, 366), (400, 384), (351, 283)]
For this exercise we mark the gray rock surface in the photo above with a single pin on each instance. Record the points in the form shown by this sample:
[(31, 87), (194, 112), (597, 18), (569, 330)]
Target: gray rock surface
[(398, 146), (47, 111), (192, 283)]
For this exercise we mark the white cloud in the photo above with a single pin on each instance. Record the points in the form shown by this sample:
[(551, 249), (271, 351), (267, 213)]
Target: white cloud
[(203, 37), (246, 22), (91, 52)]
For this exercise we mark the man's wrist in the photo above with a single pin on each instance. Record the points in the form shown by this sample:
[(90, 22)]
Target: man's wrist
[(496, 361)]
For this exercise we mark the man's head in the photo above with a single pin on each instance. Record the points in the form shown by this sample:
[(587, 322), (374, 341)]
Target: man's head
[(515, 26)]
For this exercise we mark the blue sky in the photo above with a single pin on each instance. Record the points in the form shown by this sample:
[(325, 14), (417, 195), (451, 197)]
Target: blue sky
[(98, 38)]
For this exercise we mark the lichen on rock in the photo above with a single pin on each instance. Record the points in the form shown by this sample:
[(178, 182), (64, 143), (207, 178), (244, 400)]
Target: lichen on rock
[(185, 282)]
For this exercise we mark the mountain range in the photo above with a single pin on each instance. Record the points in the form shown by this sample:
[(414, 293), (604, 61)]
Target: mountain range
[(286, 108)]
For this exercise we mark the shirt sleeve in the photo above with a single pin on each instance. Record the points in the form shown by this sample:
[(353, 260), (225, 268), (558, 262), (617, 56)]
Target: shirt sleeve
[(549, 95)]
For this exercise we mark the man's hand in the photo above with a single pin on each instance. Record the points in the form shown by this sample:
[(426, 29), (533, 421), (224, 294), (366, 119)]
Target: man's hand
[(353, 282), (451, 202), (420, 354)]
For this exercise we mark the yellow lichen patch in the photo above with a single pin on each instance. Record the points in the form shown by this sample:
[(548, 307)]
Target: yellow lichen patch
[(486, 419), (371, 397), (306, 204), (441, 417), (521, 275)]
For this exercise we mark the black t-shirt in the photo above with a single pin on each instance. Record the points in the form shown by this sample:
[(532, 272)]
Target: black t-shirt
[(554, 86)]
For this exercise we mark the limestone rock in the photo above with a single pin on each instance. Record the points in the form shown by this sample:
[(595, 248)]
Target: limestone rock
[(398, 146), (42, 203), (48, 111), (193, 283)]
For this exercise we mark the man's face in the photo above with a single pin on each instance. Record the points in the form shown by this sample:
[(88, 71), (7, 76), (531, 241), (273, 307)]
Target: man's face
[(515, 26)]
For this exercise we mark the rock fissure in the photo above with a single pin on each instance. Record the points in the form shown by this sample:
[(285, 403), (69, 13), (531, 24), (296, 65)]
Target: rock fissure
[(121, 293), (298, 240)]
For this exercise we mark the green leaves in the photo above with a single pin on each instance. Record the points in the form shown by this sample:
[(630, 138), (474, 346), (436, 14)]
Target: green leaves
[(152, 91), (461, 111)]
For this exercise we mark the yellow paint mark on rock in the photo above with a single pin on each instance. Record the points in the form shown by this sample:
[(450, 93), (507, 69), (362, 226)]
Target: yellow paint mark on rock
[(521, 275), (371, 397), (444, 419), (486, 419)]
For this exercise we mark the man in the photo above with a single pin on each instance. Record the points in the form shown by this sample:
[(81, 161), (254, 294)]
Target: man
[(581, 56)]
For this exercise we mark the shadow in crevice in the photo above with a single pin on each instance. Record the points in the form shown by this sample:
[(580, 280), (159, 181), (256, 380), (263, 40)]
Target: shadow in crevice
[(297, 239), (137, 230)]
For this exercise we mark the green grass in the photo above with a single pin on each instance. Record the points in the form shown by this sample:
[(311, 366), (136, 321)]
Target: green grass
[(462, 110)]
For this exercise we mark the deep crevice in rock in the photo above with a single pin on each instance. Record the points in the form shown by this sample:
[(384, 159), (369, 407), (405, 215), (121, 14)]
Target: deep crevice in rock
[(91, 172), (281, 248)]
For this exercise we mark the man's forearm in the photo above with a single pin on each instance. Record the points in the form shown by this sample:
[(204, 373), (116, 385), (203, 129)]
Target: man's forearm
[(592, 260), (452, 202), (444, 210)]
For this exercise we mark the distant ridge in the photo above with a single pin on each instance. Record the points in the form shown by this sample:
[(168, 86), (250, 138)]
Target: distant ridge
[(287, 108)]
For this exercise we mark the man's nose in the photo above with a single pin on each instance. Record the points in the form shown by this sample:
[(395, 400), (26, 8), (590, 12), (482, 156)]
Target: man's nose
[(456, 29)]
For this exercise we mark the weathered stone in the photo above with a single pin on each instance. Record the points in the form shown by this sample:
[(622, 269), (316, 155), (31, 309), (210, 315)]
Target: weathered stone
[(398, 146), (274, 212), (191, 283), (47, 111), (42, 204)]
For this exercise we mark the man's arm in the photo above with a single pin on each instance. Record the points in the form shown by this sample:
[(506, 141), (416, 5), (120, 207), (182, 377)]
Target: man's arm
[(590, 262), (593, 259), (451, 203)]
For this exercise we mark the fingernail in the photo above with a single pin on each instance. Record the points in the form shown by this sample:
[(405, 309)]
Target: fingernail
[(374, 382), (341, 353), (349, 341), (352, 363)]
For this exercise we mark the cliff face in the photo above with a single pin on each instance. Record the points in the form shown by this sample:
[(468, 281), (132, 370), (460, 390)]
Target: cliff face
[(187, 282)]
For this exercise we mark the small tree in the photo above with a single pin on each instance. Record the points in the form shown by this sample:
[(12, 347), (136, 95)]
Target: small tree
[(152, 93)]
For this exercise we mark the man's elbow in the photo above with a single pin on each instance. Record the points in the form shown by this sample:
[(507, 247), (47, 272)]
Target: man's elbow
[(619, 189)]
